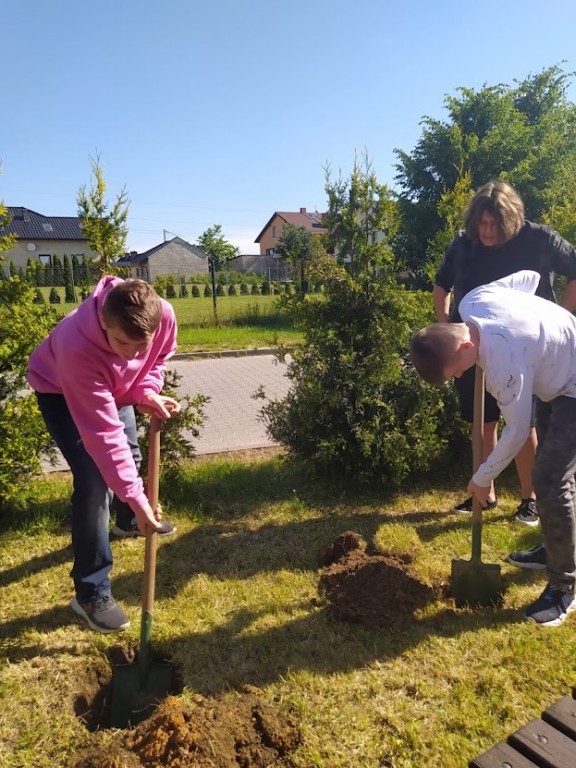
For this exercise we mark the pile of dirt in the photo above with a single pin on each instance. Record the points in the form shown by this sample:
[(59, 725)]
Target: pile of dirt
[(379, 591), (245, 731)]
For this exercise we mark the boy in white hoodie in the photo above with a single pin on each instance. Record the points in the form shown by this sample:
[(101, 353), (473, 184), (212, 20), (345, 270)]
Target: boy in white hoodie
[(526, 346)]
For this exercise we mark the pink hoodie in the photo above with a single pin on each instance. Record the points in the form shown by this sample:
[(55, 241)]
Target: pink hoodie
[(76, 361)]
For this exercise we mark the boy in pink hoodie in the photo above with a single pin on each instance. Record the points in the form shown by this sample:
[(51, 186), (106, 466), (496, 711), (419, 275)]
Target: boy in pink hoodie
[(100, 361)]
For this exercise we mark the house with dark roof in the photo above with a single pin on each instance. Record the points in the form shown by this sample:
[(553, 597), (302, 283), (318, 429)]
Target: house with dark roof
[(272, 232), (40, 238), (173, 257)]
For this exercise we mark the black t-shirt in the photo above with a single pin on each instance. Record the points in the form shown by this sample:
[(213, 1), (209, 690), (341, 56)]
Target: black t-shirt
[(467, 265)]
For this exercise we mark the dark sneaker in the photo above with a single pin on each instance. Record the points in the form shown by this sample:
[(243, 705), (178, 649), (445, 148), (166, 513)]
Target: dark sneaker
[(527, 513), (465, 507), (552, 607), (102, 613), (532, 559), (134, 532)]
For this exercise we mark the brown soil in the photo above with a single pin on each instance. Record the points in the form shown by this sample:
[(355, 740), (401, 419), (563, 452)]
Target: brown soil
[(381, 590), (245, 730)]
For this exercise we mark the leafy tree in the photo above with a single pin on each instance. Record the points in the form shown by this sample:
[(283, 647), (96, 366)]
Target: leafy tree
[(451, 209), (7, 242), (220, 251), (524, 134), (299, 247), (357, 409), (104, 225)]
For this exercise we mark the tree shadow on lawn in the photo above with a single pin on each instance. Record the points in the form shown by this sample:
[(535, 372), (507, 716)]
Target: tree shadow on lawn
[(36, 564), (228, 550), (232, 656)]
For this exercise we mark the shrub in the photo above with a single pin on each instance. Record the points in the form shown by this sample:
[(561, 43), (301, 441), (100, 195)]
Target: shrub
[(175, 445), (69, 294), (357, 410), (196, 290), (160, 283), (231, 290), (38, 297), (265, 288), (23, 438), (54, 297), (244, 289), (220, 290), (254, 290)]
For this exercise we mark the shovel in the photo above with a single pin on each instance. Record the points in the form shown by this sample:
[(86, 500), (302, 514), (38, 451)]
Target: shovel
[(473, 582), (137, 688)]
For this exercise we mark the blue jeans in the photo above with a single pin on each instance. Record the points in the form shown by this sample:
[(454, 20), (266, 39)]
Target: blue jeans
[(555, 486), (91, 498)]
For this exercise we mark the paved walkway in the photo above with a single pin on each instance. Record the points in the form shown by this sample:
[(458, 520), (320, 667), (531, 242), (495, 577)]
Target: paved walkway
[(231, 417)]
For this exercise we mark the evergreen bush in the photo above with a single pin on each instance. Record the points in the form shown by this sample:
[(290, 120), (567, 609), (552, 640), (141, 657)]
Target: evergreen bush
[(54, 297), (24, 322), (357, 410)]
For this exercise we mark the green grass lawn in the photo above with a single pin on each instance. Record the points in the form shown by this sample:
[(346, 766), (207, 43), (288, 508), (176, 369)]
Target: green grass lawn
[(244, 322), (238, 603)]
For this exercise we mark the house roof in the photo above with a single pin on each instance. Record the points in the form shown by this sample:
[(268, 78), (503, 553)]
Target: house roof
[(312, 222), (29, 225), (134, 257)]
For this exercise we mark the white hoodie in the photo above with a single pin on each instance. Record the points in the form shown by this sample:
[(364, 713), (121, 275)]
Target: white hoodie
[(527, 347)]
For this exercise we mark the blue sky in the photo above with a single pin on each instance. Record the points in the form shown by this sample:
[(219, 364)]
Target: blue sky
[(223, 112)]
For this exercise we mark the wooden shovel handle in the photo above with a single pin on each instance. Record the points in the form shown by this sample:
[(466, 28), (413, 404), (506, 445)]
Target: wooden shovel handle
[(477, 435), (153, 485)]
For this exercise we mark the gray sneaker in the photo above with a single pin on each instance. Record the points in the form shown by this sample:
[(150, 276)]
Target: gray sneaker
[(527, 513), (102, 613), (533, 559)]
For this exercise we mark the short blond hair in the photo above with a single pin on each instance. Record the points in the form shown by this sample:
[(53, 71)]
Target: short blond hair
[(133, 306), (433, 348), (499, 199)]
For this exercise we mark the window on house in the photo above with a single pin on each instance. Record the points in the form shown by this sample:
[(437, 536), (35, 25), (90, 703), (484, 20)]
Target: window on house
[(79, 257), (45, 258)]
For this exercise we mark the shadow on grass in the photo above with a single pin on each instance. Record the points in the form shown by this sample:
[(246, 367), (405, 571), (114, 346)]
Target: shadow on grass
[(222, 546), (233, 655), (35, 565)]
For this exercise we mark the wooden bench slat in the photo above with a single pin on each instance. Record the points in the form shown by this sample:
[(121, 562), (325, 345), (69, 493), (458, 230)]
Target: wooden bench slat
[(502, 756), (544, 745), (562, 715)]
